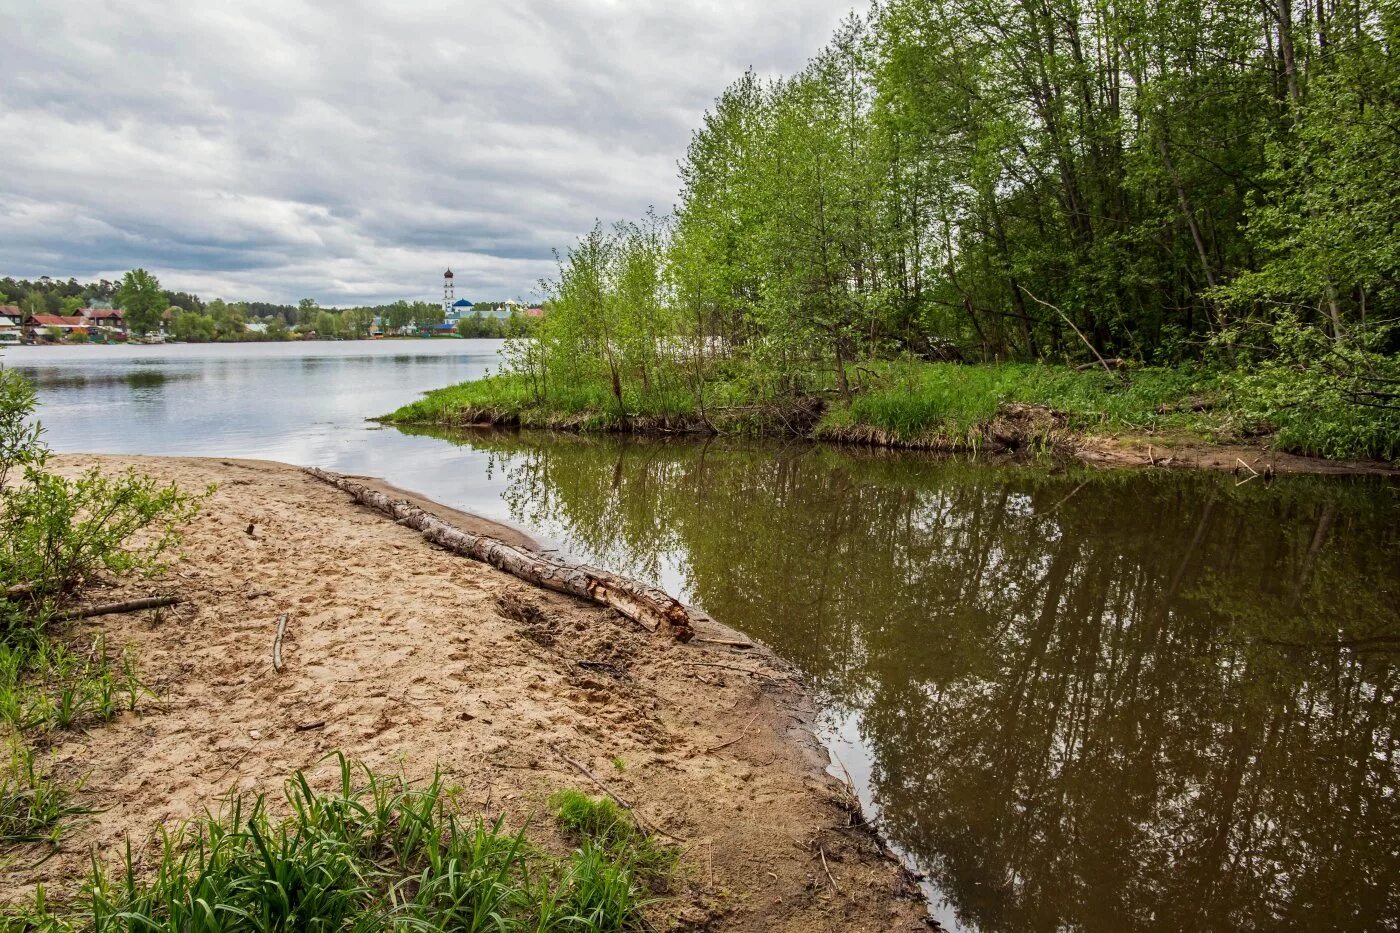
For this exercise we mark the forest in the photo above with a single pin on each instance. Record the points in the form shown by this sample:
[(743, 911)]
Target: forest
[(1202, 196)]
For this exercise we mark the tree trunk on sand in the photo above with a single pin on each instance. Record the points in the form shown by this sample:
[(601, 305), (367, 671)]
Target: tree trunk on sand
[(649, 607)]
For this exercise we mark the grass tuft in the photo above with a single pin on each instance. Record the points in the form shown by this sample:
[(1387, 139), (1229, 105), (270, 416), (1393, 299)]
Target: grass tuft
[(374, 853), (599, 823)]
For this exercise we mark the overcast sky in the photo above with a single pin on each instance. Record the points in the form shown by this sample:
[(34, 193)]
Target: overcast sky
[(350, 151)]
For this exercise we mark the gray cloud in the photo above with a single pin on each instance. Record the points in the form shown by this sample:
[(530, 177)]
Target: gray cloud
[(349, 151)]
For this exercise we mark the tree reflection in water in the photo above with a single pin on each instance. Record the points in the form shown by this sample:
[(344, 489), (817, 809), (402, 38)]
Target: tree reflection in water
[(1092, 700)]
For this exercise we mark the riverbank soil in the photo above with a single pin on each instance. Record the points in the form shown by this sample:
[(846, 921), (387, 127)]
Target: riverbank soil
[(1136, 450), (409, 658)]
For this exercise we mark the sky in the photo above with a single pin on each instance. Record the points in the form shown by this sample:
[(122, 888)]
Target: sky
[(351, 151)]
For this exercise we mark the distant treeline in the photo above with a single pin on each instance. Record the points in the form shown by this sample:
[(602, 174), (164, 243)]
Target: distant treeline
[(190, 318)]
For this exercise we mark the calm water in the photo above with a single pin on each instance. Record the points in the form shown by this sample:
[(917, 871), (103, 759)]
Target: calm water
[(1076, 700)]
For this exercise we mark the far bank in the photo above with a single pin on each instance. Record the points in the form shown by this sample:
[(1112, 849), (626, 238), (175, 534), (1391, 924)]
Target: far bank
[(1153, 417)]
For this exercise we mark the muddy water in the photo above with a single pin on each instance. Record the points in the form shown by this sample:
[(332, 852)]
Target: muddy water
[(1097, 701), (1080, 700)]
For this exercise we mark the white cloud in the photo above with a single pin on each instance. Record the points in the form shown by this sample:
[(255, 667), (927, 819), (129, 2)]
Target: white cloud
[(349, 151)]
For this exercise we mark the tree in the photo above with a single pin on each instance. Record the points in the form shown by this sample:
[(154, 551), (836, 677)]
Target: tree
[(193, 327), (307, 309), (141, 297)]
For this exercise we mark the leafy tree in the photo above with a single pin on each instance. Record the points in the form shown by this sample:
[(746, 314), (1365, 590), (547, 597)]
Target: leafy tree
[(141, 297)]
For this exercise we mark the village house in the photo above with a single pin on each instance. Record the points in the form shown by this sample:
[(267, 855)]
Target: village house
[(44, 327), (9, 325), (10, 331), (110, 321)]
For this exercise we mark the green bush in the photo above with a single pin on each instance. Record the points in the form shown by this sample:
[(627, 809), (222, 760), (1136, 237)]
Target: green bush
[(57, 534), (1322, 397)]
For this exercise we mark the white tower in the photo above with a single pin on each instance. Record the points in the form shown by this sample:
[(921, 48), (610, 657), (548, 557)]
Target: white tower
[(447, 291)]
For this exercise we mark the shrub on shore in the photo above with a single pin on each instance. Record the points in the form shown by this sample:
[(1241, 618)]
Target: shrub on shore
[(57, 535)]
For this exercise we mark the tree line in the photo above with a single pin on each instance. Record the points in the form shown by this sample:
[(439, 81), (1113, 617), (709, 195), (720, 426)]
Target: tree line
[(984, 180), (187, 317)]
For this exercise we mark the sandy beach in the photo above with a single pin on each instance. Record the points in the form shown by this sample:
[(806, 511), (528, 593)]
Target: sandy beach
[(409, 658)]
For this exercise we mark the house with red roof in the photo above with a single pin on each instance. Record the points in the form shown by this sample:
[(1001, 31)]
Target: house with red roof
[(45, 326), (111, 321), (10, 317)]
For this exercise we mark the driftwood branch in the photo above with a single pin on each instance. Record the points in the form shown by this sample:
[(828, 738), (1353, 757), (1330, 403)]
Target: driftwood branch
[(277, 641), (130, 605), (650, 607)]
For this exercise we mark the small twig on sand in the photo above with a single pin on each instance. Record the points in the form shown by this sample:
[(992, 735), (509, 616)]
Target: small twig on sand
[(307, 727), (236, 762), (642, 824), (727, 667), (277, 642), (742, 734), (827, 869), (130, 605)]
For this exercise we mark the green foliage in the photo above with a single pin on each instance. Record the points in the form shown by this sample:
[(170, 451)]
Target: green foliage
[(56, 534), (141, 297), (599, 823), (371, 854), (33, 805), (993, 181), (1321, 396)]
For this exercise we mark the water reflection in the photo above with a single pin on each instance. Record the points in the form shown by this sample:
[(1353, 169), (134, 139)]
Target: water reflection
[(1088, 701)]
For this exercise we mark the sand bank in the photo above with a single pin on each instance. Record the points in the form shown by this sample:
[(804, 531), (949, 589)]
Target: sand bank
[(409, 658)]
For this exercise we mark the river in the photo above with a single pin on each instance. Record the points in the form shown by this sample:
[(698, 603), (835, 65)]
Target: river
[(1075, 699)]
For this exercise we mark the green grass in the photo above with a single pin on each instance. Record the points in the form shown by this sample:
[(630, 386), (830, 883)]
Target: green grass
[(949, 405), (46, 687), (33, 805), (600, 823), (901, 402), (910, 402), (509, 398), (372, 854)]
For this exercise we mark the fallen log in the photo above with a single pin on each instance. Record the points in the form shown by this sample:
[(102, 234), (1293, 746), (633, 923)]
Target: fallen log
[(130, 605), (648, 606), (19, 590)]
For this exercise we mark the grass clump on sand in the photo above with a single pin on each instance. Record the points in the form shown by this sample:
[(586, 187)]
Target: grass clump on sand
[(599, 824), (372, 854)]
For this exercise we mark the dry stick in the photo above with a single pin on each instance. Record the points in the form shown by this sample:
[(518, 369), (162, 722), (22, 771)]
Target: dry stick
[(277, 642), (130, 605), (743, 733), (828, 870), (1103, 362), (725, 642), (652, 608), (642, 824)]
